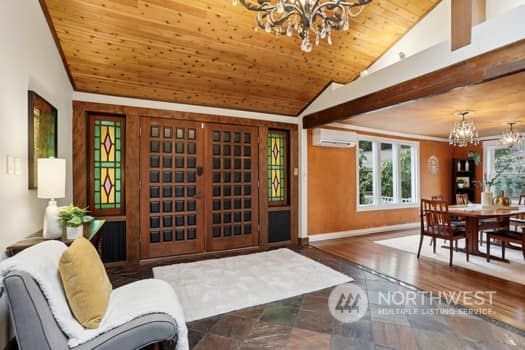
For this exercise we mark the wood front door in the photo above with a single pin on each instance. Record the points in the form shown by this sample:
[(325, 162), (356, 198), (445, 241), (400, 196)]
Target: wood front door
[(231, 195), (199, 187), (172, 185)]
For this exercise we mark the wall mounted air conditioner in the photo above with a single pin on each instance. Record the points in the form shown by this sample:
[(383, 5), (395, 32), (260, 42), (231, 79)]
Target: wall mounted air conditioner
[(334, 138)]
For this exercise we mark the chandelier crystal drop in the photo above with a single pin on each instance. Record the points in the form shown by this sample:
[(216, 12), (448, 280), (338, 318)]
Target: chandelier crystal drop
[(463, 132), (307, 18), (510, 137)]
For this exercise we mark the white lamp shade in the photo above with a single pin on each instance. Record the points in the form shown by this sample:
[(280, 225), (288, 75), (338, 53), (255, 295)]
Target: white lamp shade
[(51, 178)]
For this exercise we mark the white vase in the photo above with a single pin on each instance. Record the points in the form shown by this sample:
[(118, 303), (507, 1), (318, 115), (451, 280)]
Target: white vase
[(487, 200), (74, 232)]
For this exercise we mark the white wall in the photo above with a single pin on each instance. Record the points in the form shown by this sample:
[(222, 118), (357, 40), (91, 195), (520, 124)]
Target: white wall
[(434, 28), (497, 7), (29, 60)]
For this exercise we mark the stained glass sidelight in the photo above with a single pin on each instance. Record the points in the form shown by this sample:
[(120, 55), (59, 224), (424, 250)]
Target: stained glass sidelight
[(277, 167), (107, 165)]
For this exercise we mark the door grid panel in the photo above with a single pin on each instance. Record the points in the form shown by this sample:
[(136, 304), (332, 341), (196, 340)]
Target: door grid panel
[(232, 218), (172, 221)]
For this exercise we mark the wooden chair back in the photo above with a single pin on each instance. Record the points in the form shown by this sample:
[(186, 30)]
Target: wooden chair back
[(435, 220), (461, 199)]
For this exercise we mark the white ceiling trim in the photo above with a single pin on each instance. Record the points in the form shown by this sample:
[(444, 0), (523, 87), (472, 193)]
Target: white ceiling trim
[(179, 107)]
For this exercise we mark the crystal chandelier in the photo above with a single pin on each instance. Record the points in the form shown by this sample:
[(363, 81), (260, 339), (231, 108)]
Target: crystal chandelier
[(463, 132), (510, 137), (306, 17)]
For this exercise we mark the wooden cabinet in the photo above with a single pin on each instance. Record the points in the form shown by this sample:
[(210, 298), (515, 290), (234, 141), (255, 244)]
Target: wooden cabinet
[(463, 176)]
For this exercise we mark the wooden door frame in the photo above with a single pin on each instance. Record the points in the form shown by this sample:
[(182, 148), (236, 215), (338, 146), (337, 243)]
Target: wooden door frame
[(255, 149), (197, 245), (133, 114)]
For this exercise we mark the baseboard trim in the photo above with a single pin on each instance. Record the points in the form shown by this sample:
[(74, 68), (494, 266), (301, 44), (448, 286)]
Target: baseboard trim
[(361, 232)]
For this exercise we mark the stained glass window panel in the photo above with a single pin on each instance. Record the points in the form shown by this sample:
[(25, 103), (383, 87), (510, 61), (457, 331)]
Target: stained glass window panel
[(277, 167), (107, 165)]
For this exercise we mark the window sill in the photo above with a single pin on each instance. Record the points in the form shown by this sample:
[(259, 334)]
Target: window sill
[(361, 208)]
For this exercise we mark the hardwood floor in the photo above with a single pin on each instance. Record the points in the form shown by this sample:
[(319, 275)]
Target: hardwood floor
[(508, 303)]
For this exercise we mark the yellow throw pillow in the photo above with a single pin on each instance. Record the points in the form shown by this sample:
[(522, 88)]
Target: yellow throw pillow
[(85, 282)]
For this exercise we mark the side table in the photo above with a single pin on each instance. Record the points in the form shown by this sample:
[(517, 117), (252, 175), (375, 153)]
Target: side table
[(91, 230)]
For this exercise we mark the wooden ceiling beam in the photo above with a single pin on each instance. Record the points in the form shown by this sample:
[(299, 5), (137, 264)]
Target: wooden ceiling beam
[(491, 65)]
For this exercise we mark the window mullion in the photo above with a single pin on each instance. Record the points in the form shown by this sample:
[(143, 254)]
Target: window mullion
[(376, 172), (396, 178)]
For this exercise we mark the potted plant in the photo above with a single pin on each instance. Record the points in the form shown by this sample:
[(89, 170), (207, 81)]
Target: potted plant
[(73, 219), (460, 183)]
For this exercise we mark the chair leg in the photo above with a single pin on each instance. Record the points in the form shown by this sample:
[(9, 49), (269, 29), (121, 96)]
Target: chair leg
[(480, 238), (466, 249), (456, 245), (488, 248), (451, 252), (420, 245), (523, 249), (503, 249), (434, 246)]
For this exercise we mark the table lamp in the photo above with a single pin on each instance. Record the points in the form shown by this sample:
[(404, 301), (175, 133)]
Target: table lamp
[(51, 185)]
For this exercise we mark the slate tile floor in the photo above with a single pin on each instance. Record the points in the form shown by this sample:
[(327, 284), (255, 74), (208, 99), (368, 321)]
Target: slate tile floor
[(304, 322)]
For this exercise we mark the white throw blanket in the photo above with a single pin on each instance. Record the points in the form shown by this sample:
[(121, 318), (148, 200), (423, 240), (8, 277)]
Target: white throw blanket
[(126, 303)]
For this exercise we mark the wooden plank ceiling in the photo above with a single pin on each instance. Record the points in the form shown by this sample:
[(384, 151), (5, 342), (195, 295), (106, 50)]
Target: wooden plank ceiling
[(207, 53)]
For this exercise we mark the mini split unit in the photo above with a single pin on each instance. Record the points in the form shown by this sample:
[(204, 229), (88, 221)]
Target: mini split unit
[(334, 138)]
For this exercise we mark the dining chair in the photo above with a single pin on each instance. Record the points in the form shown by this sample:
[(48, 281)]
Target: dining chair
[(461, 199), (436, 223), (505, 237), (456, 221), (519, 221)]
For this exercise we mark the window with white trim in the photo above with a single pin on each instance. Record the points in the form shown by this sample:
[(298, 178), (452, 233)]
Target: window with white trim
[(508, 162), (387, 173)]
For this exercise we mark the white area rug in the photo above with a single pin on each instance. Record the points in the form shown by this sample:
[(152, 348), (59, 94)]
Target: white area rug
[(513, 271), (212, 287)]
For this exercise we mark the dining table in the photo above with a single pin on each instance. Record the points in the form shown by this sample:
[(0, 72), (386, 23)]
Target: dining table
[(473, 213)]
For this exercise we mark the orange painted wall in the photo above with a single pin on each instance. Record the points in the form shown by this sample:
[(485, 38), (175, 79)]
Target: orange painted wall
[(332, 188)]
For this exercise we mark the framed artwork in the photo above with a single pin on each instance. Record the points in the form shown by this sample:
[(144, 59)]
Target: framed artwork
[(42, 133)]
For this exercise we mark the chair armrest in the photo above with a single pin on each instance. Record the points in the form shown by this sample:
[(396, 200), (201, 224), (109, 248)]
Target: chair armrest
[(140, 332)]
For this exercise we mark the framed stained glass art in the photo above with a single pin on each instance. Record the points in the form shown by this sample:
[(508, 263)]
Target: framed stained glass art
[(42, 134), (106, 189), (277, 144)]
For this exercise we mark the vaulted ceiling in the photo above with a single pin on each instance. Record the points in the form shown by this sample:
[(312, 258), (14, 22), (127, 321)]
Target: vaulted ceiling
[(205, 52)]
